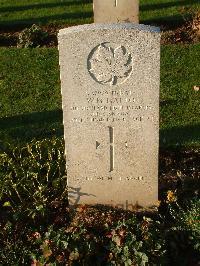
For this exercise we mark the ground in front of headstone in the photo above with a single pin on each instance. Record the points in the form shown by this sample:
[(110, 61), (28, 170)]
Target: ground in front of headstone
[(89, 235)]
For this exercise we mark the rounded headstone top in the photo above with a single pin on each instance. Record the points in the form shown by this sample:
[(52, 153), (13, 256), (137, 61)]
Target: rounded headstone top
[(109, 26)]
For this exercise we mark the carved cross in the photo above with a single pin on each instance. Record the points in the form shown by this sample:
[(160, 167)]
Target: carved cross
[(112, 148)]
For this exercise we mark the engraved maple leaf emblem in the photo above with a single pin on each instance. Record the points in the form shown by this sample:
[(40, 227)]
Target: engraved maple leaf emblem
[(108, 65)]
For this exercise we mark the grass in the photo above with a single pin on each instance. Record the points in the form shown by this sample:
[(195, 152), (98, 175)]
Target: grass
[(30, 100), (26, 12), (180, 113), (21, 13), (166, 12)]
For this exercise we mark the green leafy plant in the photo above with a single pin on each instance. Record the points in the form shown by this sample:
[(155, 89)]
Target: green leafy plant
[(14, 249), (33, 178), (183, 232), (135, 242), (125, 246), (31, 37), (122, 243)]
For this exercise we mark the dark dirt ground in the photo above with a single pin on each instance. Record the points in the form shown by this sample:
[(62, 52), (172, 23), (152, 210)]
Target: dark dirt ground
[(179, 169), (186, 33)]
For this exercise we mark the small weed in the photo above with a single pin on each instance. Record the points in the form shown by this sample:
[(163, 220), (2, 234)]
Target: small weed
[(32, 37), (32, 178)]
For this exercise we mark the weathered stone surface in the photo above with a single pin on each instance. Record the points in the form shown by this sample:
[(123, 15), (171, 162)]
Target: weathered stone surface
[(110, 11), (110, 96)]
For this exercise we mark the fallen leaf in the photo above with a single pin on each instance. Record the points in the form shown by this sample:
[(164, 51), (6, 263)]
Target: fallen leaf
[(196, 88)]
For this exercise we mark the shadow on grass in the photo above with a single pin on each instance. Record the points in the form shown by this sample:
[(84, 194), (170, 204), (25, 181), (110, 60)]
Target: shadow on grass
[(177, 136), (44, 20), (167, 5), (168, 22), (44, 124), (26, 127), (43, 5)]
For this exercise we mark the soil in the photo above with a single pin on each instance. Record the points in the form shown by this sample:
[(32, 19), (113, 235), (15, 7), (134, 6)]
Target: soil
[(187, 33), (10, 38), (179, 170)]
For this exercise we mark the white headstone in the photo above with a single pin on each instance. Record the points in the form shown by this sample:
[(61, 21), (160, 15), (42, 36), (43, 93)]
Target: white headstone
[(110, 11), (110, 95)]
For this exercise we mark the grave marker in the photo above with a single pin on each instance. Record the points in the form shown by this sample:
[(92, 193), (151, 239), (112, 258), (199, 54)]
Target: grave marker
[(110, 95), (110, 11)]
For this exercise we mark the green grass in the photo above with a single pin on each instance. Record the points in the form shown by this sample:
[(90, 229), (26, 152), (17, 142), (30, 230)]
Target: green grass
[(166, 12), (30, 100), (180, 112), (26, 12), (21, 13)]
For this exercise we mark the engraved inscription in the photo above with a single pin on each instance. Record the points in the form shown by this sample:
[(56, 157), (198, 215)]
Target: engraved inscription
[(108, 64), (97, 144), (111, 136), (112, 106), (111, 131), (107, 178)]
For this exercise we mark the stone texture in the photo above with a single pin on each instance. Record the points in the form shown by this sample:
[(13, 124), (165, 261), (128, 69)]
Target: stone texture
[(110, 96), (111, 11)]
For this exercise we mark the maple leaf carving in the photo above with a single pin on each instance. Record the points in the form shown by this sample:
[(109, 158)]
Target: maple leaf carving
[(108, 65)]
